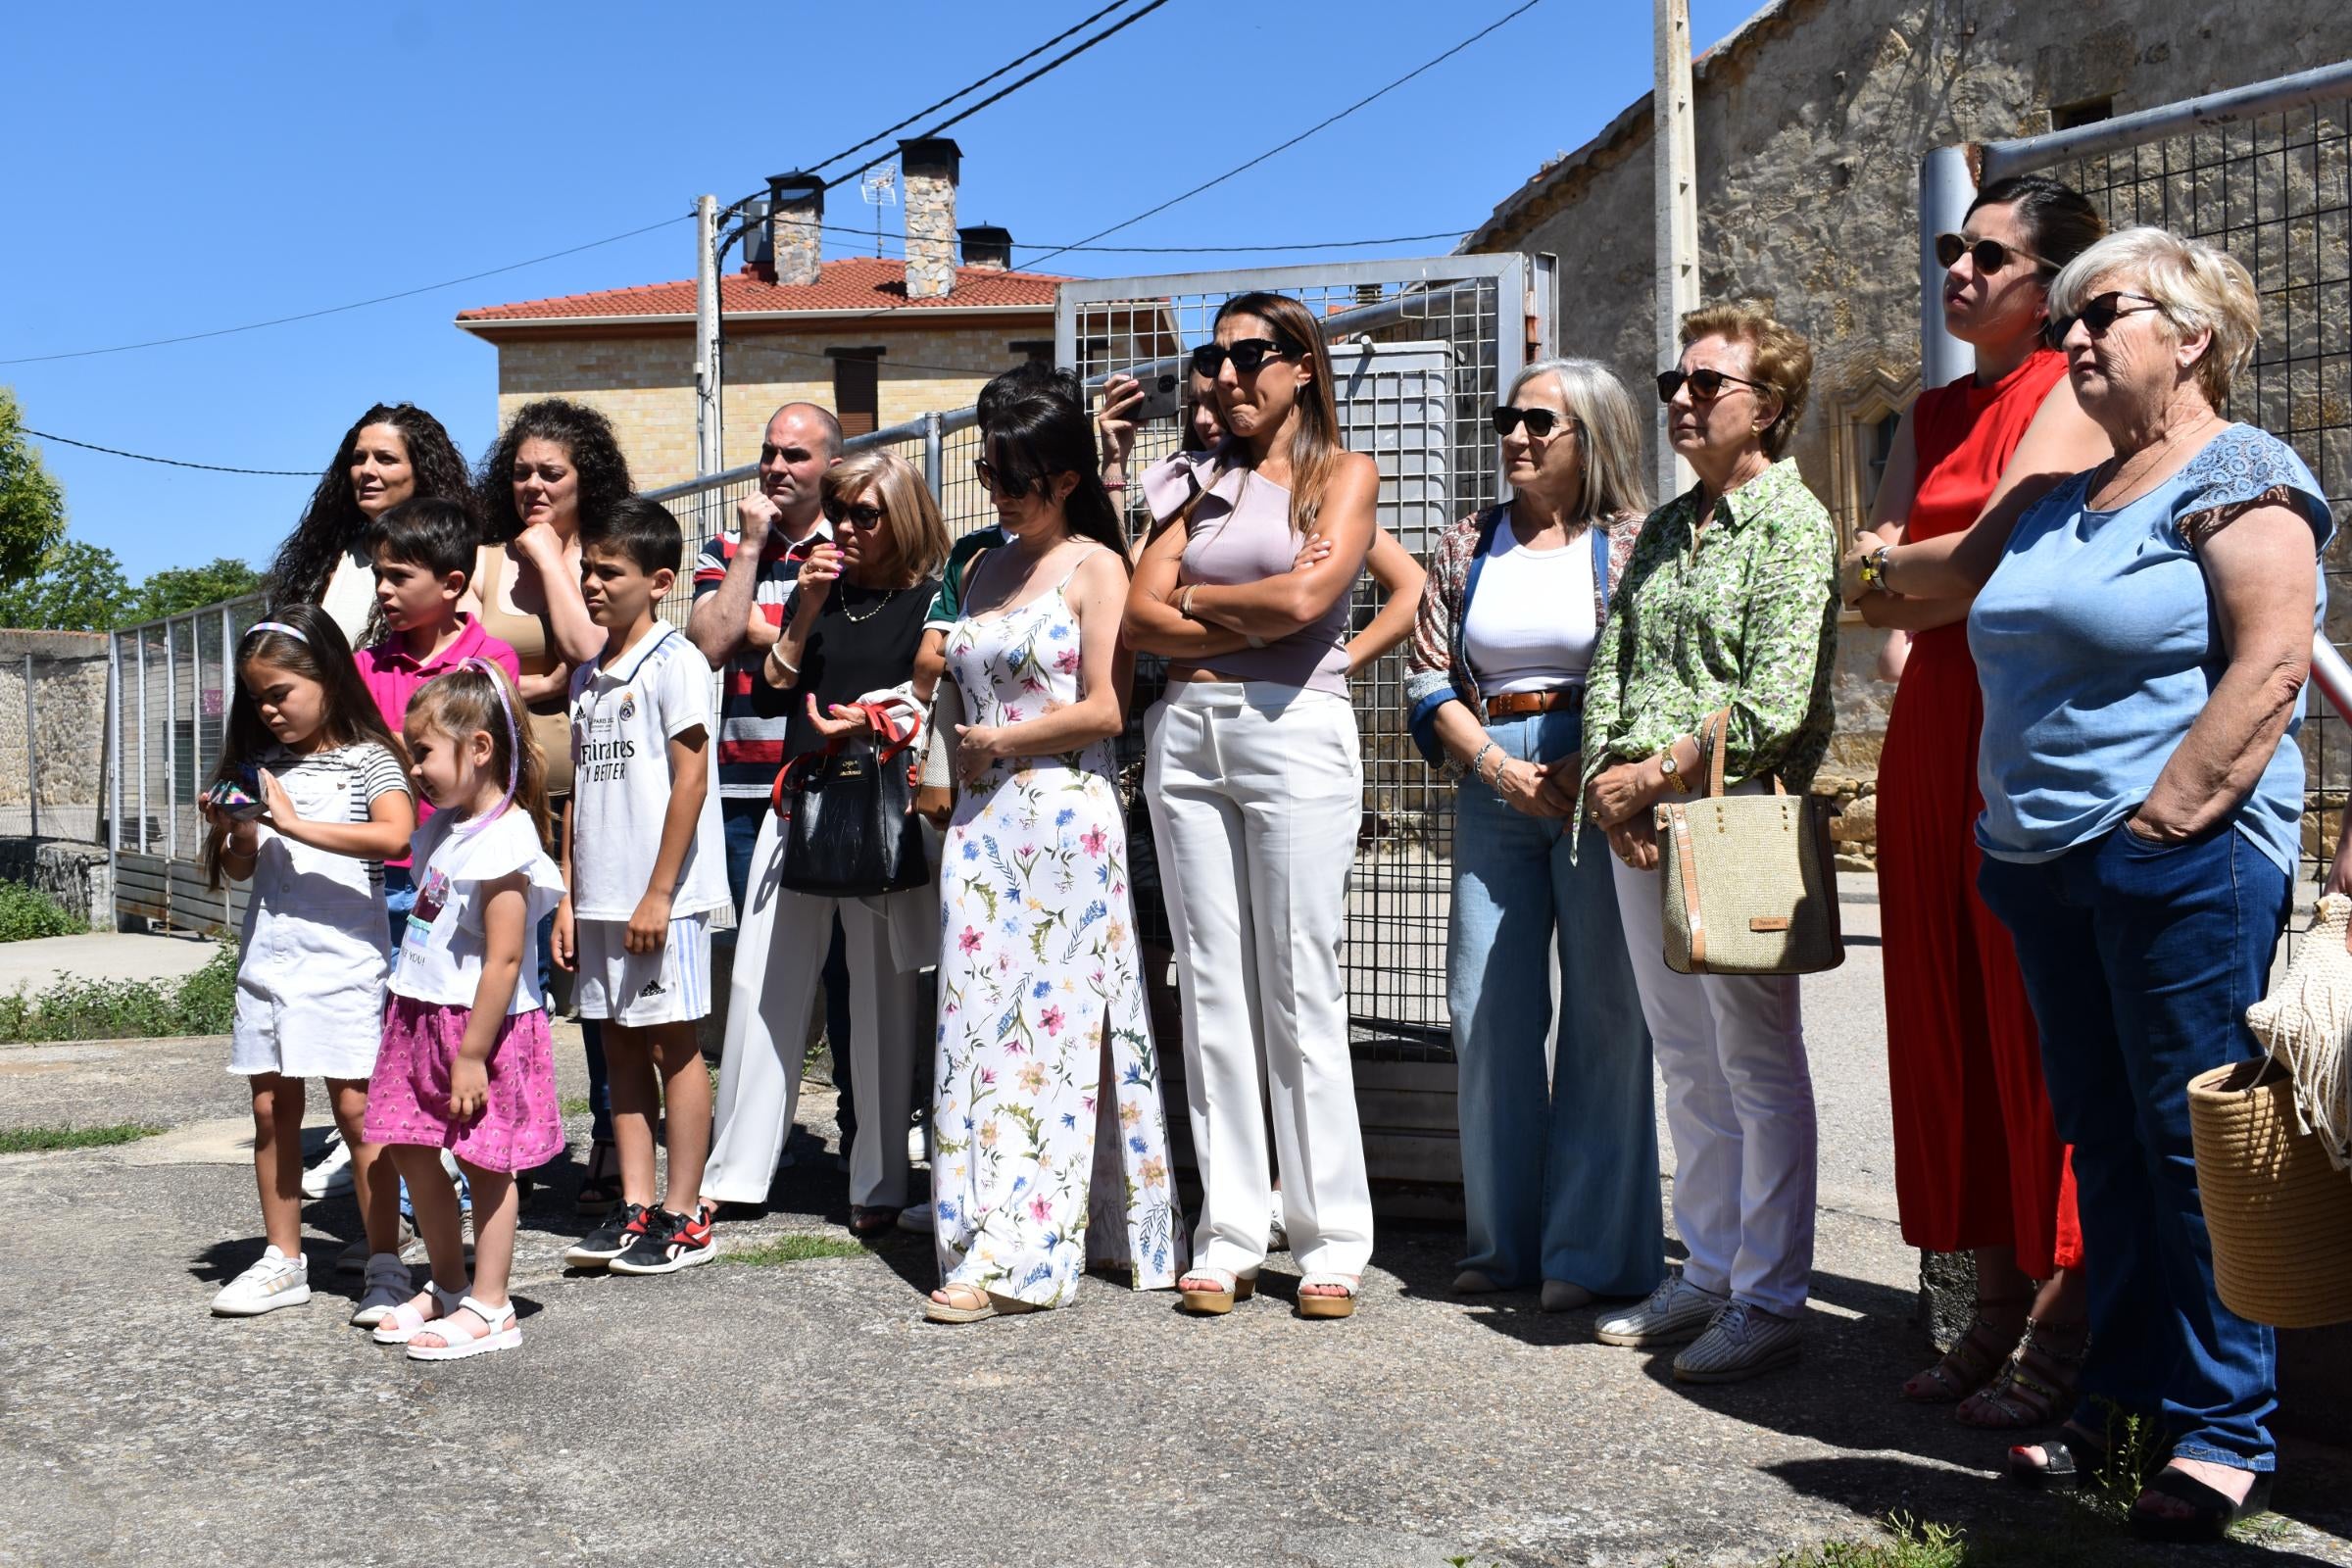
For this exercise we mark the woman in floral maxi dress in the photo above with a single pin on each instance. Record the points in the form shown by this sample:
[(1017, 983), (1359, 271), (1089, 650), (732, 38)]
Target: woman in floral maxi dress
[(1046, 1065)]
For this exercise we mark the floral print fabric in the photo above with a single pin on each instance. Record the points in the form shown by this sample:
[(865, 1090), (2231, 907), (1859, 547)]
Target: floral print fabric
[(1039, 965)]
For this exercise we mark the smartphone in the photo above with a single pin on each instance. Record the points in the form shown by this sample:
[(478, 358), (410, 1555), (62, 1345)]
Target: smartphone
[(240, 797), (1162, 395)]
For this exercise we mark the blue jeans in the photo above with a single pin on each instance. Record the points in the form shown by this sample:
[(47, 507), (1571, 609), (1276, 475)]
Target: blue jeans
[(2141, 961), (1559, 1176), (740, 817)]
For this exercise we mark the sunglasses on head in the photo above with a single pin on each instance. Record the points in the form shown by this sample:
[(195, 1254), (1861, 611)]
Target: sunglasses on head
[(838, 512), (1705, 385), (1246, 355), (1540, 422), (1990, 254), (2097, 315)]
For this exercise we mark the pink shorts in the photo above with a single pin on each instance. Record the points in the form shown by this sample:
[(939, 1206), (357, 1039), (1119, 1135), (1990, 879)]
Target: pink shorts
[(408, 1097)]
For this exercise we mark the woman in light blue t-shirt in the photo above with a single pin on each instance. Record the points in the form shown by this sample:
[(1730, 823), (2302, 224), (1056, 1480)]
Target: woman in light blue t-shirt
[(2142, 635)]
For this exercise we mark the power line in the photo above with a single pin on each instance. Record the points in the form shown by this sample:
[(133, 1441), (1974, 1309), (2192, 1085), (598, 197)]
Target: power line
[(336, 309), (1310, 130), (176, 463), (1178, 250)]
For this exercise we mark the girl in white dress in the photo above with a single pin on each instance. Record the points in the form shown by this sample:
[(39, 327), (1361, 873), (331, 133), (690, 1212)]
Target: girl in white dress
[(307, 746)]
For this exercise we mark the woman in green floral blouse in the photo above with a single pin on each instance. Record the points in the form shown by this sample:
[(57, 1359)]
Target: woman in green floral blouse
[(1730, 602)]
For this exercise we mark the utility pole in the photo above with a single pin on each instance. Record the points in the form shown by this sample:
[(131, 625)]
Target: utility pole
[(707, 456), (1678, 213)]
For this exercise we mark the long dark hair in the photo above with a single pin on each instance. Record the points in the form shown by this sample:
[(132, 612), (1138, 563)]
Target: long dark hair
[(332, 523), (313, 648), (2062, 222), (1037, 436), (581, 431)]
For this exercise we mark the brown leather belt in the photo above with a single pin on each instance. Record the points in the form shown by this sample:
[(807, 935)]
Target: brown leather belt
[(1513, 704)]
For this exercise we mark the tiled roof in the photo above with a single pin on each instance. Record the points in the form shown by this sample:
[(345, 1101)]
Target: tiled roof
[(852, 283)]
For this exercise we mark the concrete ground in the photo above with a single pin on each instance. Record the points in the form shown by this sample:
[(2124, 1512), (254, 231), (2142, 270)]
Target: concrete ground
[(801, 1414), (99, 956)]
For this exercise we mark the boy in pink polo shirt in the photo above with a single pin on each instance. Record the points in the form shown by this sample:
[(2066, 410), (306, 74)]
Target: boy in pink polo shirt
[(424, 550)]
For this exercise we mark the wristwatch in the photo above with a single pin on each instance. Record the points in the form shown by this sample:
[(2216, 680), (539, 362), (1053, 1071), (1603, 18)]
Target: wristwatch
[(1670, 767), (1874, 568)]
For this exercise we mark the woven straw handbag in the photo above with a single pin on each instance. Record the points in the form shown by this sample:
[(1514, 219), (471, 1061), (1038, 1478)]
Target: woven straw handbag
[(2273, 1168), (1751, 884)]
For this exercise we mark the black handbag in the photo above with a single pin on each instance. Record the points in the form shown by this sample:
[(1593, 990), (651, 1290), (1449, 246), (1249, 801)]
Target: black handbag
[(848, 829)]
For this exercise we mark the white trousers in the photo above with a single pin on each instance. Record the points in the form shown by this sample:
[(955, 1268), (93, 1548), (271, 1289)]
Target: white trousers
[(779, 958), (1256, 792), (1738, 1107)]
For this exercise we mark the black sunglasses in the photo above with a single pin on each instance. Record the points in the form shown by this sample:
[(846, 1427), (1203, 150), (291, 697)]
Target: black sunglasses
[(1990, 254), (862, 516), (1540, 422), (1246, 354), (2098, 313), (1705, 385)]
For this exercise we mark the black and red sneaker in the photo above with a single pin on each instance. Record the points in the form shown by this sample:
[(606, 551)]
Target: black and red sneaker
[(619, 1231), (671, 1243)]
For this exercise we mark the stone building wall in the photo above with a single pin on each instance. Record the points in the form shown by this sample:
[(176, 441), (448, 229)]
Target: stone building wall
[(1809, 127), (66, 758), (644, 381)]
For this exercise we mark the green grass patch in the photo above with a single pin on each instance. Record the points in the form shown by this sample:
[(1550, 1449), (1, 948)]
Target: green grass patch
[(49, 1140), (1908, 1544), (201, 1004), (27, 914), (797, 1250), (575, 1104)]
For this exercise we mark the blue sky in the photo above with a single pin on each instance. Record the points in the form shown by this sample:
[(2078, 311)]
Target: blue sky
[(179, 170)]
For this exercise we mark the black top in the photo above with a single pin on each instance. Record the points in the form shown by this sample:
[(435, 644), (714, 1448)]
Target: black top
[(864, 640)]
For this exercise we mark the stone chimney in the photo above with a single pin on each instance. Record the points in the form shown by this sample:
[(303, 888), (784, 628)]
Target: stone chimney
[(796, 206), (986, 247), (927, 171)]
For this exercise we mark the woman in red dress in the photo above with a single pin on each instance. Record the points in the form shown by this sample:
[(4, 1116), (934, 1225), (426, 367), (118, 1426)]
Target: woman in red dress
[(1978, 1163)]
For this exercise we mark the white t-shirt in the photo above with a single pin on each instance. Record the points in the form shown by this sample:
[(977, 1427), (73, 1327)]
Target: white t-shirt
[(441, 947), (1531, 626), (623, 718), (350, 596)]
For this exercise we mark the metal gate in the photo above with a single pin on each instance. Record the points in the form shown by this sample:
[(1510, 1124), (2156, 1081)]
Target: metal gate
[(2265, 171)]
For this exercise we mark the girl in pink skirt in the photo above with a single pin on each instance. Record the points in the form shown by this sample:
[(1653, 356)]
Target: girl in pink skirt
[(467, 1063)]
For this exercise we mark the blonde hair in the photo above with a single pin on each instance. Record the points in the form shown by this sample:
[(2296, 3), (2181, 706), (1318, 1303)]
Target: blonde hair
[(479, 697), (918, 536), (2198, 288), (1610, 432), (1781, 360)]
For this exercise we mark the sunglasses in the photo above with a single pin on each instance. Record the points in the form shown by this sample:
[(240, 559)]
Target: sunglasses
[(838, 512), (2097, 315), (1990, 254), (1540, 422), (1246, 355), (1705, 385)]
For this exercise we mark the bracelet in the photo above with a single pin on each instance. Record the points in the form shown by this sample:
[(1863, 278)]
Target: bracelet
[(1478, 764), (781, 662), (1874, 568), (1184, 600)]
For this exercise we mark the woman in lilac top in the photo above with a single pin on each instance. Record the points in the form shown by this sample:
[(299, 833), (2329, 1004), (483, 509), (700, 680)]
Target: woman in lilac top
[(2142, 635), (1256, 790)]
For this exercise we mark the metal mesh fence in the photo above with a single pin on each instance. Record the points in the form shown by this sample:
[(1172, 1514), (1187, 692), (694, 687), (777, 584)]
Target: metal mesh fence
[(168, 722), (2276, 191)]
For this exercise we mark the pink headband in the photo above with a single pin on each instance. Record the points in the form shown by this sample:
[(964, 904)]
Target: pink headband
[(513, 744)]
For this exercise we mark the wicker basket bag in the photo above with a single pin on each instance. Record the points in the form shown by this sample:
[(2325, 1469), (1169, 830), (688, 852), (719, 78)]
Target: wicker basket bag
[(2272, 1168)]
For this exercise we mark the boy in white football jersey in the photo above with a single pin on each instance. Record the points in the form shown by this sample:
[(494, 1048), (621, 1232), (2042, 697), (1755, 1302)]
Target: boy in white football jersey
[(644, 863)]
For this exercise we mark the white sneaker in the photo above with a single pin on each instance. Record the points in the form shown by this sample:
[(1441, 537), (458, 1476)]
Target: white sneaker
[(918, 1148), (275, 1281), (1742, 1342), (917, 1218), (1675, 1313), (388, 1285), (331, 1176)]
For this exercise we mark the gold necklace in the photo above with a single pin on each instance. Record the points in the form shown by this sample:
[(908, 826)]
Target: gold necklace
[(855, 619)]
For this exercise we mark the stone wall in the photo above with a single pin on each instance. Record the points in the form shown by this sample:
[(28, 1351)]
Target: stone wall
[(644, 381), (67, 759), (1809, 127), (76, 875)]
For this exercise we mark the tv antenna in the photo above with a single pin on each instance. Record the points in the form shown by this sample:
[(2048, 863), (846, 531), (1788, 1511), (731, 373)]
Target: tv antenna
[(880, 188)]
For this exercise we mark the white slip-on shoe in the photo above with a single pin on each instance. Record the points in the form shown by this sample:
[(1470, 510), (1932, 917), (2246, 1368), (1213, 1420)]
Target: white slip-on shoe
[(1676, 1311), (389, 1282), (917, 1217), (1742, 1342), (331, 1176), (273, 1281)]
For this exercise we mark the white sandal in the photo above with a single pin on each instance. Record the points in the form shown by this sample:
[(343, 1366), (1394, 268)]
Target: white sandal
[(404, 1320), (1231, 1288), (499, 1332), (1325, 1305)]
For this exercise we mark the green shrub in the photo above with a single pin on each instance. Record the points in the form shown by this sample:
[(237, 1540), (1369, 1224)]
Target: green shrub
[(26, 913), (200, 1004)]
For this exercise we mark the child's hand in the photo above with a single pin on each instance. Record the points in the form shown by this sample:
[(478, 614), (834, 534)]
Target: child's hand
[(469, 1088), (649, 927), (935, 803), (241, 838), (562, 942), (280, 804)]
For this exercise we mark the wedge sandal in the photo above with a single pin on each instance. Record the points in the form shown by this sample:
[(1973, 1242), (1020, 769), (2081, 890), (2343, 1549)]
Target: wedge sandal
[(1229, 1288), (985, 1305), (1325, 1304)]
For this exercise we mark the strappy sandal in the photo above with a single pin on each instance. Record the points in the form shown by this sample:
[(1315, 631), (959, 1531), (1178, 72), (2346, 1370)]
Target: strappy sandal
[(1230, 1288), (2033, 1386), (499, 1332), (395, 1326), (2069, 1460), (2212, 1513), (600, 1188), (1975, 1360), (986, 1304), (1325, 1304)]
